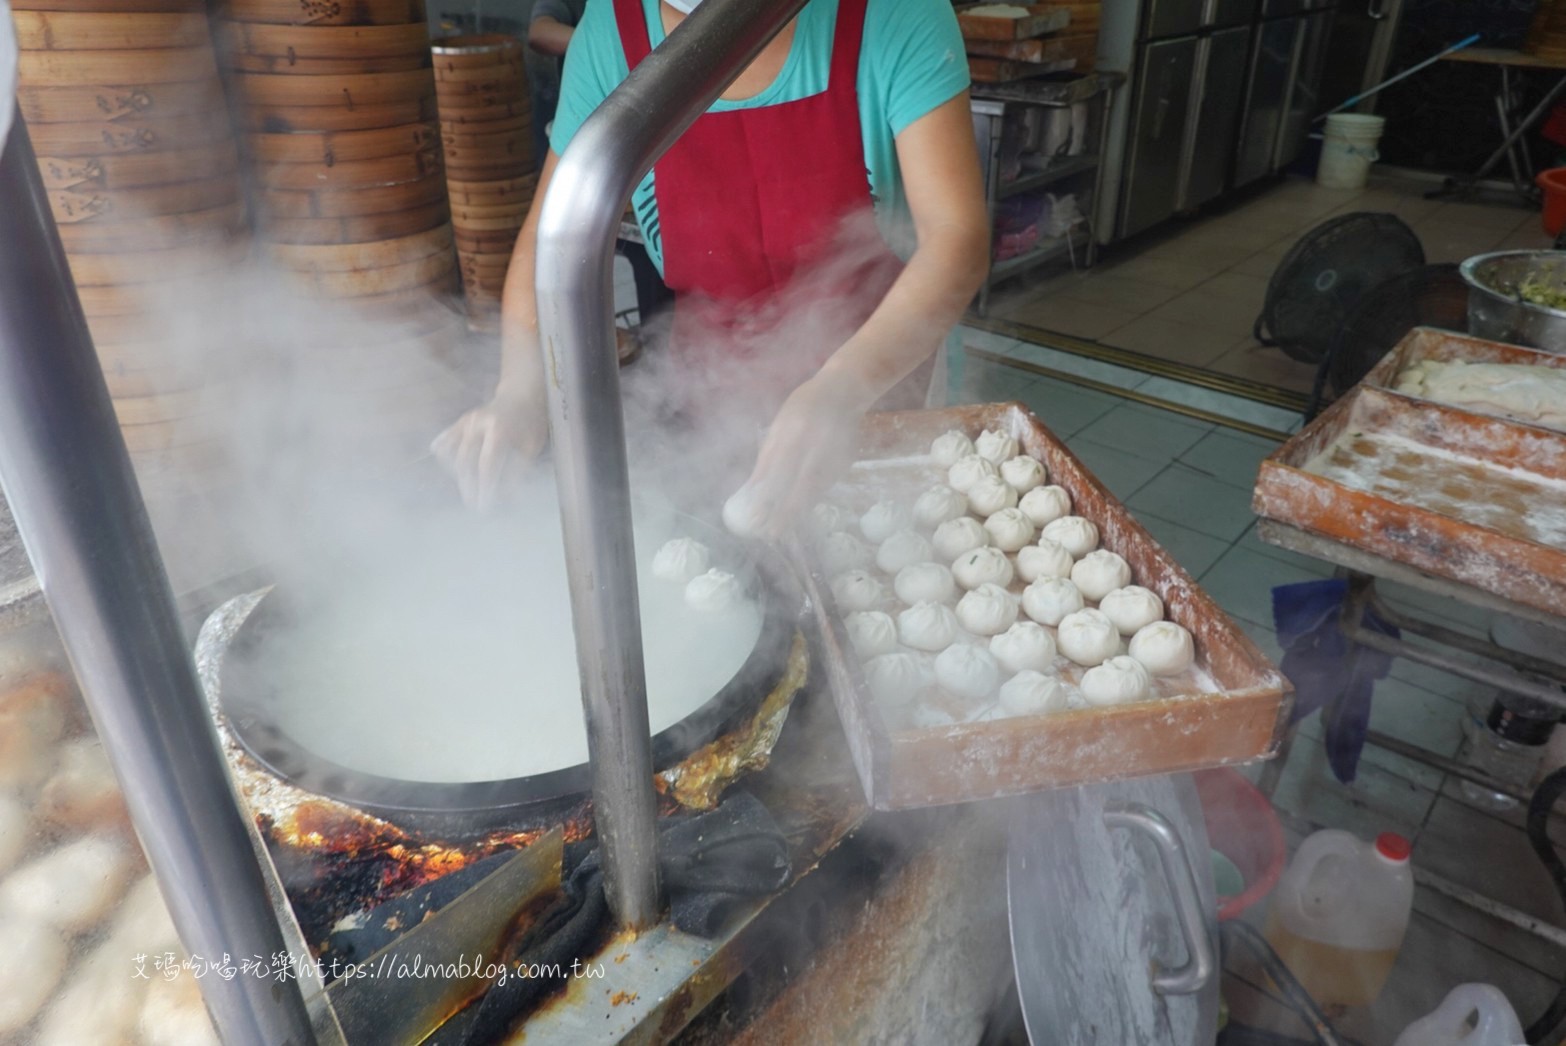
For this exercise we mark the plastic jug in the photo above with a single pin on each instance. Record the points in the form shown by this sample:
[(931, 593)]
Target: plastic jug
[(1470, 1015), (1339, 914)]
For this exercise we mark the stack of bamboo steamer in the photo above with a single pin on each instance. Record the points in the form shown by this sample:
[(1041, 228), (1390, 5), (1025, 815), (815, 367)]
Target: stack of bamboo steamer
[(127, 115), (486, 124), (337, 104)]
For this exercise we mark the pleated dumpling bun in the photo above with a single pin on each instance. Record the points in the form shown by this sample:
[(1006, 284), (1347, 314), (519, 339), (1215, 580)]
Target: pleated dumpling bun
[(1043, 559), (939, 504), (857, 590), (930, 627), (681, 559), (1132, 608), (1075, 534), (1009, 529), (994, 446), (901, 549), (949, 447), (1164, 648), (1023, 473), (987, 611), (895, 679), (982, 566), (1088, 637), (1099, 573), (925, 583), (883, 519), (1032, 693), (871, 633), (714, 592), (990, 494), (1050, 599), (1044, 505), (827, 517), (968, 470), (1024, 646), (967, 671), (1118, 681), (956, 536), (842, 551)]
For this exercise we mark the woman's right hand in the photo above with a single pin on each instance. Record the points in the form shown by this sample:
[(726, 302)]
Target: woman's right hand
[(491, 442)]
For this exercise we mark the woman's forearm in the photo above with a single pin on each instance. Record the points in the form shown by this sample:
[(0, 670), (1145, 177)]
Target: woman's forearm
[(521, 362)]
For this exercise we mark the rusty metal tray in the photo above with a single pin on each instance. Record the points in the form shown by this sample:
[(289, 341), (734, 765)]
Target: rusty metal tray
[(1231, 708), (1430, 343), (1454, 494)]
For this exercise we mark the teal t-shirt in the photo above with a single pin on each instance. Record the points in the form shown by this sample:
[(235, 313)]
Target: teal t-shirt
[(911, 62)]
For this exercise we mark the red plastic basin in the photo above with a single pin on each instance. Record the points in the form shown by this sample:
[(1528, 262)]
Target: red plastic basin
[(1242, 826)]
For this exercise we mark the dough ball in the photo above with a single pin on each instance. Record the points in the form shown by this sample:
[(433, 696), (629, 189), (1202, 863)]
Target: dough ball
[(1044, 559), (714, 592), (842, 551), (142, 923), (950, 447), (857, 590), (31, 965), (882, 520), (871, 632), (16, 831), (925, 583), (827, 518), (982, 566), (939, 504), (1099, 573), (82, 792), (1050, 599), (681, 559), (1163, 648), (1073, 533), (1118, 681), (903, 549), (1009, 529), (995, 446), (174, 1015), (967, 671), (33, 716), (1023, 473), (989, 495), (1023, 647), (931, 627), (1088, 637), (1032, 693), (1044, 505), (101, 1001), (956, 536), (986, 611), (1132, 608), (896, 679), (969, 470), (70, 888), (925, 716)]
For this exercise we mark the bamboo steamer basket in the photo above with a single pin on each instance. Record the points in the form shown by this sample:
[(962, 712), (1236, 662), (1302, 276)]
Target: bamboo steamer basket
[(98, 205), (216, 224), (152, 268), (313, 42), (358, 230), (346, 89), (484, 111), (326, 12), (131, 135), (169, 65), (140, 170), (359, 256), (521, 185), (294, 119), (388, 279), (246, 63), (350, 202), (77, 30), (384, 171), (112, 6), (108, 100), (335, 147), (499, 146), (523, 122), (511, 225)]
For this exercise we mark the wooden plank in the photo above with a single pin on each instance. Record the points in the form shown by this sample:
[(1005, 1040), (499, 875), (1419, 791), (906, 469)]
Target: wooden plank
[(1041, 19), (1001, 70), (1080, 48)]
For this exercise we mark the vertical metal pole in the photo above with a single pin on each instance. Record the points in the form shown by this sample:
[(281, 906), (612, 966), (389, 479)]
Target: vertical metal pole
[(592, 183), (67, 475)]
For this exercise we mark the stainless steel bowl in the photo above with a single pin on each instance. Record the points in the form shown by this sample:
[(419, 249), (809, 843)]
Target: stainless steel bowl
[(1495, 307)]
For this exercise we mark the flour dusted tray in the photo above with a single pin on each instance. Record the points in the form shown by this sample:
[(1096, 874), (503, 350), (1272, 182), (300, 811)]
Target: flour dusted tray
[(1454, 494), (1229, 708), (1040, 19)]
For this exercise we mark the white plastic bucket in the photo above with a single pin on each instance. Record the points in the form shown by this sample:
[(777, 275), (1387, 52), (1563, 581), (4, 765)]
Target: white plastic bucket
[(1349, 150)]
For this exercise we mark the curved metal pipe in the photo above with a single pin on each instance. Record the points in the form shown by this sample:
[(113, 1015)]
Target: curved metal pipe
[(592, 184)]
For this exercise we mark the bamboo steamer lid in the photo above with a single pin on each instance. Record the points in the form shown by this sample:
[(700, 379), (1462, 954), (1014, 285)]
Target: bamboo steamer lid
[(358, 230), (382, 171), (298, 119), (139, 234), (108, 31), (351, 202), (326, 12), (284, 66), (112, 6), (318, 41), (471, 48), (359, 256), (110, 101), (140, 170), (129, 135), (169, 65), (341, 146), (101, 205), (348, 89)]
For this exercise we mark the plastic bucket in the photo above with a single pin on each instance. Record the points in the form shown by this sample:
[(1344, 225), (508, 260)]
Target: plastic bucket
[(1553, 184), (1348, 150), (1242, 827)]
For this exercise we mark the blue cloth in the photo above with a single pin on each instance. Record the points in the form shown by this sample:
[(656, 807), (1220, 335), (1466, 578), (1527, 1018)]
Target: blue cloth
[(1329, 672)]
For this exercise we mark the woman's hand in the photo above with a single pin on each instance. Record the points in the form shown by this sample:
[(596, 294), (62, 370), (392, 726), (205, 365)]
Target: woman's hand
[(490, 443)]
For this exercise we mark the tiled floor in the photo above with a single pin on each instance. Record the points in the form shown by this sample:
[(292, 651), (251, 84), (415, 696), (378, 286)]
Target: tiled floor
[(1189, 293), (1189, 482)]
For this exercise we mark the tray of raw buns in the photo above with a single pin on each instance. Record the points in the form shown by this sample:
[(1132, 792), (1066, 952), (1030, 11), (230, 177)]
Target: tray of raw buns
[(996, 623)]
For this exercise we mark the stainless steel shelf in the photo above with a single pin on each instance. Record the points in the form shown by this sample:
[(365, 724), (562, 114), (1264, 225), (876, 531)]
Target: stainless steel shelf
[(1048, 248), (1055, 172)]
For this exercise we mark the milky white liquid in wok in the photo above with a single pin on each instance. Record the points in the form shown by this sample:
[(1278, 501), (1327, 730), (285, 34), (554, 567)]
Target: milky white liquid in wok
[(460, 664)]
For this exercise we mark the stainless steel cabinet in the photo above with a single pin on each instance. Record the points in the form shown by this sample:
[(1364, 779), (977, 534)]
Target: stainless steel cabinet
[(1173, 18), (1161, 112), (1305, 101), (1267, 98), (1220, 70), (1223, 13)]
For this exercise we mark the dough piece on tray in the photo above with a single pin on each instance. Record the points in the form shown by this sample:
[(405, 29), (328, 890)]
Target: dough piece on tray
[(1099, 573), (871, 632), (1024, 646), (1023, 473), (983, 566), (70, 888), (987, 610), (883, 519), (1050, 599), (896, 679), (857, 590), (714, 592), (1088, 637), (967, 671), (842, 551), (995, 446), (1046, 558), (949, 447), (1118, 681), (901, 549), (681, 559), (1009, 529), (925, 583), (968, 470), (1164, 648), (1032, 693), (1132, 608), (931, 627), (939, 504), (990, 494), (1044, 505), (1075, 534), (956, 536)]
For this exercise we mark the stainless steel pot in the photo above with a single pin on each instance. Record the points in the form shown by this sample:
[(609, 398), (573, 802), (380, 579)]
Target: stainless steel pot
[(1495, 307)]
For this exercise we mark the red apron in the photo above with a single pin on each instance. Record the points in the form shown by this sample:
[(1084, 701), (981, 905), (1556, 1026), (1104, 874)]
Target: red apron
[(765, 215)]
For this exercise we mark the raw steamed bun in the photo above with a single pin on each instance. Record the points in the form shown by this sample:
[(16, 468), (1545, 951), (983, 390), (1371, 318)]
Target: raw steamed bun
[(1132, 608), (1032, 693), (715, 592), (82, 792), (895, 679), (967, 671), (1049, 599), (15, 830), (31, 965), (989, 495), (33, 716), (173, 1015), (681, 559), (842, 551), (1076, 535), (931, 627), (1118, 681), (1099, 573), (937, 505), (982, 566), (871, 632), (1044, 559), (1023, 473), (926, 716), (995, 446), (949, 447), (1163, 648), (956, 536), (902, 549), (70, 888), (1044, 505), (969, 470), (827, 517), (1023, 647), (857, 590), (882, 520), (1009, 529), (1088, 637), (925, 583), (986, 611)]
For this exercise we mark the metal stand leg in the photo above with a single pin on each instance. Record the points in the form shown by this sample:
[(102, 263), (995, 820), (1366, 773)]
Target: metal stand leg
[(1464, 185)]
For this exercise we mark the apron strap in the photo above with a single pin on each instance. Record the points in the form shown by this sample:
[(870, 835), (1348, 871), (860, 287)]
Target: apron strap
[(847, 39), (634, 37)]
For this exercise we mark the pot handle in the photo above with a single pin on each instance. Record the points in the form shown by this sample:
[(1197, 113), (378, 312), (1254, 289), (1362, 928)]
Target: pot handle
[(1181, 877)]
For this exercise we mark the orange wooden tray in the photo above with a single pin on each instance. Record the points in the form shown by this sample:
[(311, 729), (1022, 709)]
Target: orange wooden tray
[(1043, 18)]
